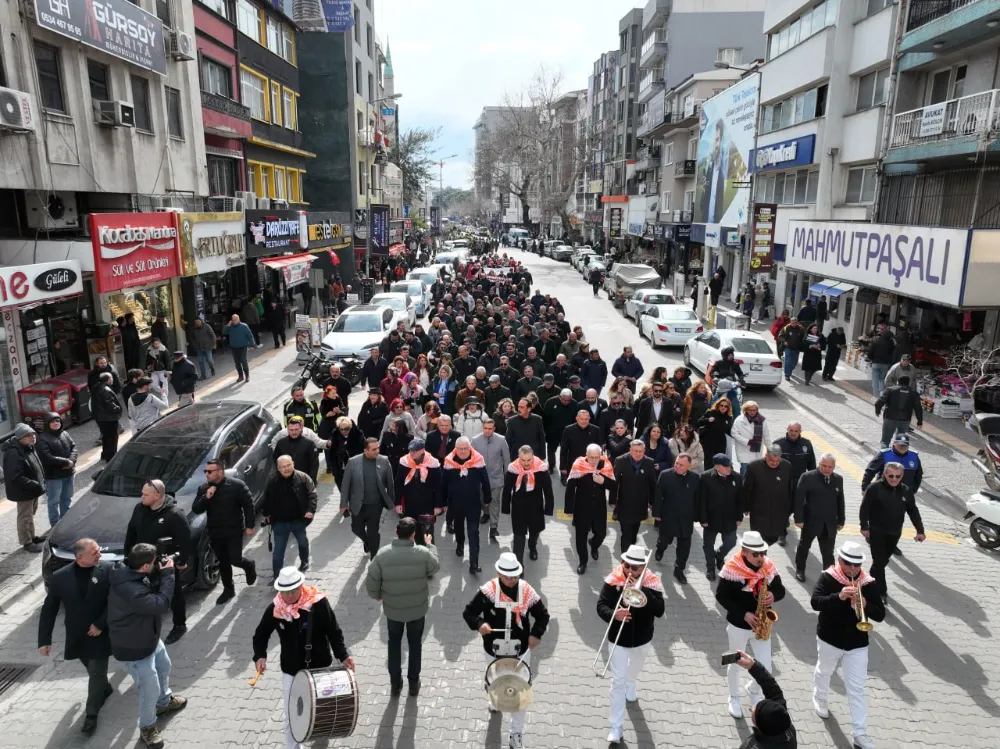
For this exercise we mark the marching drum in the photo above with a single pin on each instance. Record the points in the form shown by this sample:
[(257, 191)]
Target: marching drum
[(323, 703), (508, 684)]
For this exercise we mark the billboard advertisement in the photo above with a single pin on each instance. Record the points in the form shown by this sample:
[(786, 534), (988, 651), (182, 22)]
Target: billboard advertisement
[(339, 15), (722, 177), (133, 249), (379, 229), (615, 228), (435, 218), (762, 245)]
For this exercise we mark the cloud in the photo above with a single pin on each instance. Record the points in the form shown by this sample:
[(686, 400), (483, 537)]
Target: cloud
[(451, 58)]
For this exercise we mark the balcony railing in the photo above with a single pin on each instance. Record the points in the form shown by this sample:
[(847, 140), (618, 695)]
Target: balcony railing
[(971, 115), (923, 12), (651, 77), (657, 37), (684, 167), (223, 105)]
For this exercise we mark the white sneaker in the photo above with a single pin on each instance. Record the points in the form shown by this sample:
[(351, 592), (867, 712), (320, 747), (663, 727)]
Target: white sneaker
[(615, 735), (863, 741), (515, 741), (821, 709), (734, 707), (631, 696)]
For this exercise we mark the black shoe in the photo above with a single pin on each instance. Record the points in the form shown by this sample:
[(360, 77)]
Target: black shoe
[(897, 552), (201, 377), (710, 575), (175, 634), (33, 548), (581, 568), (415, 688), (396, 689), (108, 691), (251, 573), (239, 379), (782, 540), (304, 567), (659, 555), (449, 527), (494, 533), (365, 544), (38, 539), (460, 550), (228, 594), (89, 725), (484, 519), (800, 576), (474, 569), (680, 577), (213, 373), (371, 555), (532, 554), (719, 562), (594, 552)]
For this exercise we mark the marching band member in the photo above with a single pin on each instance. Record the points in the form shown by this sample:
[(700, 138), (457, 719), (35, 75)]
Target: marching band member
[(465, 488), (527, 498), (838, 637), (633, 629), (739, 582), (293, 609), (509, 605), (590, 478)]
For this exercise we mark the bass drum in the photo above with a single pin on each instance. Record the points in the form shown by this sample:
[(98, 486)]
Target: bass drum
[(508, 684), (323, 703)]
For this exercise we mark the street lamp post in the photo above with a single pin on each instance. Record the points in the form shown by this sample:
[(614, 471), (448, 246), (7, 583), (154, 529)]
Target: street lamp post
[(440, 164), (368, 182)]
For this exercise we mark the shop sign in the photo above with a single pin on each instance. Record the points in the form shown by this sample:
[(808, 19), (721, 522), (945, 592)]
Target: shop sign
[(211, 242), (12, 329), (326, 232), (116, 27), (594, 217), (762, 245), (660, 231), (682, 232), (932, 120), (615, 230), (435, 218), (787, 153), (712, 235), (133, 249), (275, 232), (921, 262), (25, 284), (379, 228)]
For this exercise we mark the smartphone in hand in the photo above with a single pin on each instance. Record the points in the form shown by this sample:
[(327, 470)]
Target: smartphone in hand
[(728, 658)]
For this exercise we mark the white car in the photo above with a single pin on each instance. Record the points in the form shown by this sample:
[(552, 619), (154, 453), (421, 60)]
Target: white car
[(403, 307), (430, 274), (596, 261), (637, 302), (418, 290), (562, 252), (358, 330), (761, 367), (578, 256), (669, 324)]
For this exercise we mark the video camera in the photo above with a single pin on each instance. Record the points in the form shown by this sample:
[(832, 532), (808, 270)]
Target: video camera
[(166, 549)]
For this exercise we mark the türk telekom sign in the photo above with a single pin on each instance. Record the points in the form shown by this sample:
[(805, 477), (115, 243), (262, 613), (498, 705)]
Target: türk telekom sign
[(133, 249)]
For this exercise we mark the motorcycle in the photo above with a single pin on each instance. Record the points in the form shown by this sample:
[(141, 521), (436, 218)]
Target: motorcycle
[(983, 508), (317, 370)]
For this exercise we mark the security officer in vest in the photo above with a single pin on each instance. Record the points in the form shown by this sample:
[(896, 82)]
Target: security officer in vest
[(899, 452)]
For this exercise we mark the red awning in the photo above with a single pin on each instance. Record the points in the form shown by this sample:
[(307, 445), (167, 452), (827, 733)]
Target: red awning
[(295, 268), (396, 249), (283, 261)]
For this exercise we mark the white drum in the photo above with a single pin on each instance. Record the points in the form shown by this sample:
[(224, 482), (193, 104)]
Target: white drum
[(323, 703), (508, 684)]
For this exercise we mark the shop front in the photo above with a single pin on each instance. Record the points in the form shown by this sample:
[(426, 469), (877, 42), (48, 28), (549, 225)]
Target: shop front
[(933, 288), (329, 240), (272, 234)]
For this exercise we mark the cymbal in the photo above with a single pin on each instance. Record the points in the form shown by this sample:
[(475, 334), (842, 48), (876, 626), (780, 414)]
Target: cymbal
[(510, 693)]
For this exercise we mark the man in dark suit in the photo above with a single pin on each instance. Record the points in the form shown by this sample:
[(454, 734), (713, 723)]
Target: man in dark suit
[(635, 478), (819, 512), (713, 178), (83, 588), (655, 410)]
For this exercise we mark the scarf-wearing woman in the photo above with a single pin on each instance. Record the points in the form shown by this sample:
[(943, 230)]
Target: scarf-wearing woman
[(685, 440), (750, 434)]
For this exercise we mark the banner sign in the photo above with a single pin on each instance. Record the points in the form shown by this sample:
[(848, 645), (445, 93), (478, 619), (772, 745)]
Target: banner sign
[(615, 229), (339, 15), (211, 242), (133, 249), (788, 153), (274, 232), (116, 27), (435, 218), (379, 228), (24, 284), (921, 262), (324, 230), (762, 245)]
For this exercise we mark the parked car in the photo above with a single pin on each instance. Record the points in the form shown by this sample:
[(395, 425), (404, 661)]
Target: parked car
[(578, 254), (549, 246), (418, 291), (174, 449), (760, 365), (642, 299), (429, 274), (589, 262), (403, 307), (562, 253), (625, 279), (669, 324), (357, 331)]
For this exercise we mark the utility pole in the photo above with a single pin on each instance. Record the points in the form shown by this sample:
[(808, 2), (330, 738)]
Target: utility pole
[(440, 164)]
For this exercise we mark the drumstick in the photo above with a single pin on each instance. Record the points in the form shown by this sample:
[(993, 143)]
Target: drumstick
[(253, 681)]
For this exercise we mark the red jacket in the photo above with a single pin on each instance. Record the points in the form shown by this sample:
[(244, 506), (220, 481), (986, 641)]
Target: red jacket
[(390, 389), (778, 326)]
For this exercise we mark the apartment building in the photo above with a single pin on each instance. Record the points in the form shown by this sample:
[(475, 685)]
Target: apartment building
[(562, 182), (619, 176), (602, 102), (493, 198)]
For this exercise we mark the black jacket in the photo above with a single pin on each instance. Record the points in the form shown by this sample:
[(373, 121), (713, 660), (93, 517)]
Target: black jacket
[(91, 609), (373, 371), (343, 386), (837, 623), (438, 445), (418, 497), (326, 637), (524, 386), (900, 402), (618, 446), (883, 508), (644, 416), (713, 434), (24, 477), (610, 415), (302, 451), (493, 396), (639, 630), (767, 496), (508, 377), (56, 451), (913, 469), (771, 691), (93, 377), (466, 495), (521, 432), (880, 350), (676, 502), (585, 499), (230, 509), (574, 443), (739, 602), (818, 504), (275, 505), (147, 526), (636, 489), (136, 605), (527, 510), (480, 610), (183, 377), (719, 501), (800, 454), (104, 404), (372, 417)]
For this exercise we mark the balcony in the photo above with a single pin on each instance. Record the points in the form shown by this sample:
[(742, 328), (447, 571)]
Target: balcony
[(654, 48), (684, 167), (649, 187), (643, 125), (650, 84), (222, 105), (655, 13), (224, 117), (946, 129), (647, 157), (948, 25)]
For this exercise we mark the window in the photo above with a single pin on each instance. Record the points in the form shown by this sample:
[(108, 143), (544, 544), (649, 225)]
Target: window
[(871, 89), (252, 92), (362, 174), (665, 202), (275, 102), (219, 6), (361, 121), (279, 183), (49, 77), (288, 110), (253, 174), (688, 200), (216, 79), (810, 22), (668, 155), (174, 124), (373, 179), (274, 42), (874, 6), (370, 43), (861, 185), (233, 448), (730, 55), (248, 20), (266, 181), (357, 77), (371, 87), (140, 100), (798, 108), (98, 77), (621, 111), (162, 8), (221, 176), (287, 44), (692, 148), (357, 25)]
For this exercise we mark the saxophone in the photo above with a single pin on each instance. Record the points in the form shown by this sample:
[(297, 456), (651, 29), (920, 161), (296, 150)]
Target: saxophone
[(766, 616)]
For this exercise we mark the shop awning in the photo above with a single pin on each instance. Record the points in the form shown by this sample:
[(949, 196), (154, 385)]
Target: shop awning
[(396, 249), (294, 268), (831, 287)]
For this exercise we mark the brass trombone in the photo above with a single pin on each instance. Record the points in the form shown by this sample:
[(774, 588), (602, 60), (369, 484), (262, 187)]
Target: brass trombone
[(631, 597), (859, 608)]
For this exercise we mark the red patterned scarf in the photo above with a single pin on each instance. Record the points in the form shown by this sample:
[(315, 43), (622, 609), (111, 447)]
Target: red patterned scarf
[(537, 464), (581, 468), (526, 597), (290, 611), (650, 579), (738, 571), (475, 461), (837, 574), (429, 462)]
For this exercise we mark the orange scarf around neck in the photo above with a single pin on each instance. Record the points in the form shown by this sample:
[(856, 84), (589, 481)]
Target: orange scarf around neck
[(290, 611), (537, 464), (737, 570), (429, 462), (581, 467), (475, 461)]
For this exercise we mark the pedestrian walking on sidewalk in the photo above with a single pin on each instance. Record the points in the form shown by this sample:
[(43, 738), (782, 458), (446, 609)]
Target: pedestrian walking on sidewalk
[(203, 341), (880, 356), (158, 366), (274, 316), (184, 379), (791, 340), (58, 455), (836, 340), (144, 405), (812, 353), (240, 339), (819, 512), (106, 410), (898, 402)]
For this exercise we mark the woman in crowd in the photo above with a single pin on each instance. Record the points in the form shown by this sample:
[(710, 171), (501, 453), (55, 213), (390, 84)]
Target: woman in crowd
[(657, 448), (413, 394), (443, 390), (346, 442), (681, 380), (713, 429), (812, 352), (696, 402), (619, 440), (398, 412), (428, 421), (659, 375), (505, 409), (750, 434), (675, 398), (685, 440), (620, 387), (395, 443), (331, 408)]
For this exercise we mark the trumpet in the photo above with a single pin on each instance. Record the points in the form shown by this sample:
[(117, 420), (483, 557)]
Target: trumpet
[(859, 608), (631, 597)]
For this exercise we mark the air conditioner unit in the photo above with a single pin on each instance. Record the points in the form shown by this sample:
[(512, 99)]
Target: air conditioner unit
[(17, 110), (279, 204), (181, 46), (166, 205), (113, 113), (226, 204), (263, 204), (249, 199), (54, 210)]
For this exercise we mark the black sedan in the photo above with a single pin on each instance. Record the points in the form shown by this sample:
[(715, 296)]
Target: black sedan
[(175, 450)]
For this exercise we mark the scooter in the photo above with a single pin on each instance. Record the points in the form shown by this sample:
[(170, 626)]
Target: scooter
[(983, 508), (317, 369)]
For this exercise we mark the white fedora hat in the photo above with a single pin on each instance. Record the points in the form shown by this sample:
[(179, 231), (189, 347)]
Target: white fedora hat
[(752, 540), (508, 565), (289, 579), (636, 554), (852, 552)]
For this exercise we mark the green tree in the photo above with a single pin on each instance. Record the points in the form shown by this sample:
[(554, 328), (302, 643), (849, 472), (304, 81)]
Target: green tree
[(411, 152)]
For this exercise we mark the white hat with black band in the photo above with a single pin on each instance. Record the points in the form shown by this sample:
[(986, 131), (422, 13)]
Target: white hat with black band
[(508, 565), (752, 541), (852, 552), (636, 555), (289, 579)]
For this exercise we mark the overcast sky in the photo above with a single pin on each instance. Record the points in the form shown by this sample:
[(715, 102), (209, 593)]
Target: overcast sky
[(453, 57)]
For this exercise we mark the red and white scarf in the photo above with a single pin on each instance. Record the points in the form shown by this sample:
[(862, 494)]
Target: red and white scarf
[(650, 579), (738, 571), (526, 597), (837, 574), (429, 462), (537, 464), (290, 611), (581, 467), (475, 461)]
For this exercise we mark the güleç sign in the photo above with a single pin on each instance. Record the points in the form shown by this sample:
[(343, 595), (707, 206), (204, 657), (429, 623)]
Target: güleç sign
[(25, 284), (133, 249), (211, 242)]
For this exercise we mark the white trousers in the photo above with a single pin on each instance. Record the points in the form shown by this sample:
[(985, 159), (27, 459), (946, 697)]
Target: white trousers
[(626, 663), (160, 383), (855, 679), (516, 719), (286, 687), (739, 640)]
